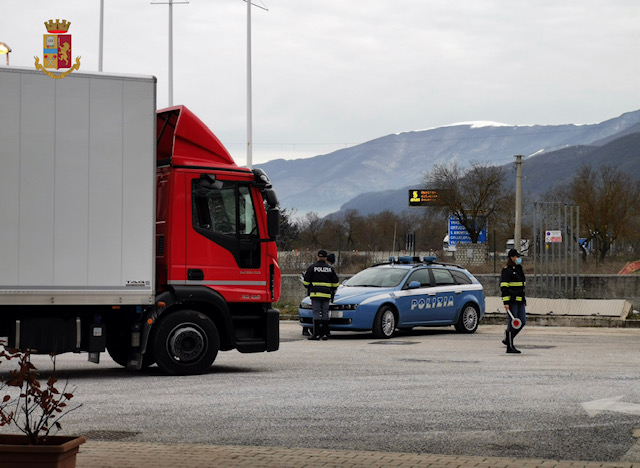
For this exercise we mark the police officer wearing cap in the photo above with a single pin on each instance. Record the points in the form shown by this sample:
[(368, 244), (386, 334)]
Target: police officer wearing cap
[(512, 284), (322, 281)]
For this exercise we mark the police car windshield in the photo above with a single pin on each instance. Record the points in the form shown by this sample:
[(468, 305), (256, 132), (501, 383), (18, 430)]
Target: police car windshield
[(377, 278)]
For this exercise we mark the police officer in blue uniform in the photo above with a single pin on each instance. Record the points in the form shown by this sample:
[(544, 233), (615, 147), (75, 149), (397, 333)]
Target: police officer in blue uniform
[(322, 281), (512, 286)]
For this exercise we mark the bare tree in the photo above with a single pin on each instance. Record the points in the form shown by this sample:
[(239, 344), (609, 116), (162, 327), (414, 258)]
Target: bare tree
[(289, 229), (473, 195), (608, 200), (310, 229)]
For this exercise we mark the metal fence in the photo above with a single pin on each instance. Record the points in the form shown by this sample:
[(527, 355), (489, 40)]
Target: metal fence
[(556, 251)]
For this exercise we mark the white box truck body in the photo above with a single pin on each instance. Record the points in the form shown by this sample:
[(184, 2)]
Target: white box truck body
[(77, 188)]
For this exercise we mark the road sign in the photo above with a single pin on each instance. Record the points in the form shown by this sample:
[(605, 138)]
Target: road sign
[(425, 197), (553, 236), (459, 235)]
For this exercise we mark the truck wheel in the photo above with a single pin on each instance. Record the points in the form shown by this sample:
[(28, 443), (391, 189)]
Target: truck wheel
[(118, 339), (118, 354), (186, 342)]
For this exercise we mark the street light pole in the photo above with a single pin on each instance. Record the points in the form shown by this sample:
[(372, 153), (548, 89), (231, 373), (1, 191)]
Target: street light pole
[(101, 39), (170, 3), (170, 53), (249, 97), (249, 92), (517, 235)]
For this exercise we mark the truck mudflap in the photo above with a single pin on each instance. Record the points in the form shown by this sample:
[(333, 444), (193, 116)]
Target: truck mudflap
[(273, 329), (269, 341)]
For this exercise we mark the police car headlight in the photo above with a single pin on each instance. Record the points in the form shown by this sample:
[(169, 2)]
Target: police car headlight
[(304, 305), (349, 306)]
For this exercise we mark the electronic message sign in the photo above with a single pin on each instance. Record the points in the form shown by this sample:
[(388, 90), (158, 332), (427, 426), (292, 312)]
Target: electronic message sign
[(425, 197)]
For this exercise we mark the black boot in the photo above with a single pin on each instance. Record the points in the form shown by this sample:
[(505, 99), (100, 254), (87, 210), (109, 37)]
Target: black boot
[(316, 330), (510, 348), (305, 331), (504, 340), (325, 330)]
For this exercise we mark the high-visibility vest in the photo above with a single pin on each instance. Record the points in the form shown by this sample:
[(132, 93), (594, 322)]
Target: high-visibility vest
[(512, 284), (321, 280)]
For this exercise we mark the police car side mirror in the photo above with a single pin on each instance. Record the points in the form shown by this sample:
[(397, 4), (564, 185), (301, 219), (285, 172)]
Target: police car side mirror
[(415, 285)]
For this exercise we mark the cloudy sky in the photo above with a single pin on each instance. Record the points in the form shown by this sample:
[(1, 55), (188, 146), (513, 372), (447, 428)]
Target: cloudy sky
[(334, 73)]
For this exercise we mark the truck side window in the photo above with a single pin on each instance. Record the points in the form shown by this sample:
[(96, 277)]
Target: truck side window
[(221, 210), (224, 210), (227, 217), (247, 215)]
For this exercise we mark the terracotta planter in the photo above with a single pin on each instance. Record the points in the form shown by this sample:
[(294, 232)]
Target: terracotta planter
[(56, 452)]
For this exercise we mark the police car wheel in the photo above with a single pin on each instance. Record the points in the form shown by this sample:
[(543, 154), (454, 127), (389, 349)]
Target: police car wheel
[(469, 319), (385, 323)]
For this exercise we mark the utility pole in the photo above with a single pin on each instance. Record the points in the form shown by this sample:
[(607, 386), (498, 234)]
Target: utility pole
[(170, 3), (517, 235), (101, 35), (249, 92)]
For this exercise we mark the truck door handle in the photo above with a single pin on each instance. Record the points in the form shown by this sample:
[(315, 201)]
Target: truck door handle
[(195, 274)]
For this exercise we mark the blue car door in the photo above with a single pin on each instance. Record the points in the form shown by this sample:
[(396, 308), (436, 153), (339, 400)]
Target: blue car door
[(447, 295), (415, 303)]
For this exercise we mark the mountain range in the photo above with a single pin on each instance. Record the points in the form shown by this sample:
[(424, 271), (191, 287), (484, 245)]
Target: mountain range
[(376, 175)]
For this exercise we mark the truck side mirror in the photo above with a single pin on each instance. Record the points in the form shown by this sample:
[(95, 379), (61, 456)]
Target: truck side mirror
[(273, 223), (270, 197)]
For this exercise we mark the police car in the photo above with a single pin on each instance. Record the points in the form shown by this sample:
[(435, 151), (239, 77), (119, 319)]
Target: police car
[(404, 293)]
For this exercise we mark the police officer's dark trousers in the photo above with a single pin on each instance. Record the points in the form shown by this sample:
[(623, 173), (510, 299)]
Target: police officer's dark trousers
[(320, 309), (518, 310)]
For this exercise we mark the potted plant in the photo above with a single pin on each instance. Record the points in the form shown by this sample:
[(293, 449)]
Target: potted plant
[(35, 409)]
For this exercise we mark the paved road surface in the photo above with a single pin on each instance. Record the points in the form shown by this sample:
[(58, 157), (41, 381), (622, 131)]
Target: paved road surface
[(573, 394)]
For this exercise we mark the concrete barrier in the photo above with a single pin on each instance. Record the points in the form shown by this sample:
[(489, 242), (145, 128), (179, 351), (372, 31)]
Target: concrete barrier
[(617, 308)]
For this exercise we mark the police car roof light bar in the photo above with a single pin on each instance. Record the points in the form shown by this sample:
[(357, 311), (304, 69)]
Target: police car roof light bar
[(404, 260)]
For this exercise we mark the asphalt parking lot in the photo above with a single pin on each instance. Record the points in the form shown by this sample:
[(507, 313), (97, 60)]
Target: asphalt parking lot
[(572, 394)]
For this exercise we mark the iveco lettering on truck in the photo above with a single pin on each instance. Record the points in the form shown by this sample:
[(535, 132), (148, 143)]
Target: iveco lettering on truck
[(129, 230)]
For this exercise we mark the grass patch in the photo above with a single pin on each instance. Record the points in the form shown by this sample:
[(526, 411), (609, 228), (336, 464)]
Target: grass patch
[(287, 308)]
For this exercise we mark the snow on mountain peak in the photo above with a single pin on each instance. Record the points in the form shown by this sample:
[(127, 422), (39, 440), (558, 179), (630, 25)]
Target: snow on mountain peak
[(471, 124), (483, 123)]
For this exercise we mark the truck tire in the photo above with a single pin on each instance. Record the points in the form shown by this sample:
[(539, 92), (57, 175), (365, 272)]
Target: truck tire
[(118, 339), (186, 342), (118, 354)]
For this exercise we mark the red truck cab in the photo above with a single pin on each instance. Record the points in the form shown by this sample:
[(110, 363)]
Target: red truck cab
[(216, 257)]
